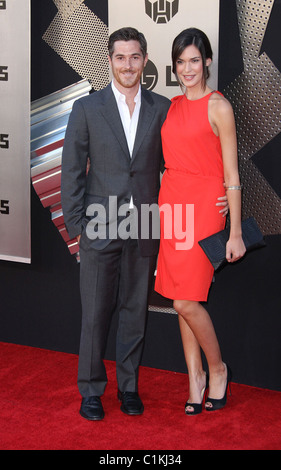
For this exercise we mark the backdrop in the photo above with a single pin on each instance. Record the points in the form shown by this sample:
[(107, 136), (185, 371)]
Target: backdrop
[(14, 131), (40, 303)]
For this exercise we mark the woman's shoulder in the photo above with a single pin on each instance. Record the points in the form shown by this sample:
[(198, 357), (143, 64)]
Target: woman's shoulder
[(219, 104)]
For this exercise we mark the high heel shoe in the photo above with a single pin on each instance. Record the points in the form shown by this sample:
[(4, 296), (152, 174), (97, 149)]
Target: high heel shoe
[(197, 407), (218, 404)]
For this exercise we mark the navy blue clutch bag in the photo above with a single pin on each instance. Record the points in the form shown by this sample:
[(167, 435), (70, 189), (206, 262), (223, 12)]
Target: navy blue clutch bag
[(214, 246)]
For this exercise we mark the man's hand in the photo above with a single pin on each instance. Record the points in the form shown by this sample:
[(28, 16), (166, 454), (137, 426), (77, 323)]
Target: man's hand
[(223, 202)]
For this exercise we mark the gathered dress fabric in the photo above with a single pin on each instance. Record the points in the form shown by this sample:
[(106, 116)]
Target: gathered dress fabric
[(191, 183)]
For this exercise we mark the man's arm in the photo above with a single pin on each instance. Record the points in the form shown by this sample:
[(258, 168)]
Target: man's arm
[(74, 165)]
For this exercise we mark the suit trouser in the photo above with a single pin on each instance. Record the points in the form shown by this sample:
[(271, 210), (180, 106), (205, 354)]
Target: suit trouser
[(116, 277)]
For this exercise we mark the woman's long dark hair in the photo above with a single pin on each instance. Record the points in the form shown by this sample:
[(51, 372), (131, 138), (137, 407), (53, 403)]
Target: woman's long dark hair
[(195, 37)]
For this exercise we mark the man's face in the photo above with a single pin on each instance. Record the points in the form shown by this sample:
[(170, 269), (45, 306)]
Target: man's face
[(127, 63)]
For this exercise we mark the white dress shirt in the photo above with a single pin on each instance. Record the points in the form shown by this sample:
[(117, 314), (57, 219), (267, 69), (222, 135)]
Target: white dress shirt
[(129, 122)]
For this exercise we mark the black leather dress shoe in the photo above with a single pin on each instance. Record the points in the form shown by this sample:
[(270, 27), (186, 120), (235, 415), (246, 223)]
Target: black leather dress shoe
[(91, 408), (131, 403)]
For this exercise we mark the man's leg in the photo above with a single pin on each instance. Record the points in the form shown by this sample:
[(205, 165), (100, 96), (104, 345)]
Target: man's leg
[(136, 274), (99, 279)]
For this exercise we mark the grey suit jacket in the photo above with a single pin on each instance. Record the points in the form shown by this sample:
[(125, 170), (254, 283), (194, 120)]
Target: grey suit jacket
[(97, 170)]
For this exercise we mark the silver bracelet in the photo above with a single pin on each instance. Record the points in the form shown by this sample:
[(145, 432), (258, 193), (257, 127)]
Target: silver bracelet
[(234, 187)]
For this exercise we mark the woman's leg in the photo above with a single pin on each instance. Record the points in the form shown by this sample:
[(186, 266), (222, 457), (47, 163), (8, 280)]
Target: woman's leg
[(200, 329), (192, 354)]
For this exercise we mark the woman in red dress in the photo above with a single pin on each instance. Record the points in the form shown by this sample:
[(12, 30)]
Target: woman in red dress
[(200, 151)]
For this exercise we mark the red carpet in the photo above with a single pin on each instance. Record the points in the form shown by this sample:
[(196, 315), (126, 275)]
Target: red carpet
[(40, 404)]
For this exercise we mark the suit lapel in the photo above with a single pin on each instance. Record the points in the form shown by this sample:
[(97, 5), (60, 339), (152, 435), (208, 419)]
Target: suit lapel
[(112, 116), (146, 116)]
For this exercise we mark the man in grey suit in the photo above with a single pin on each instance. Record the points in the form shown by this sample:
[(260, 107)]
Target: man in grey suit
[(110, 170)]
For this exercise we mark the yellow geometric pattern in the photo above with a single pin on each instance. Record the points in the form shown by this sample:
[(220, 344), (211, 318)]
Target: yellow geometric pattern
[(80, 38)]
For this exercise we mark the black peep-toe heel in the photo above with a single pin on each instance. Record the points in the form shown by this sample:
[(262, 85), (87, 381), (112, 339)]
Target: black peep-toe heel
[(197, 407), (218, 404)]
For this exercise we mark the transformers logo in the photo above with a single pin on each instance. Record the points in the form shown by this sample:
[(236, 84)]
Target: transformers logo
[(161, 11)]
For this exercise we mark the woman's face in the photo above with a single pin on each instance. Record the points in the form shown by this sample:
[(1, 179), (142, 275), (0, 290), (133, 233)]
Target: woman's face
[(189, 67)]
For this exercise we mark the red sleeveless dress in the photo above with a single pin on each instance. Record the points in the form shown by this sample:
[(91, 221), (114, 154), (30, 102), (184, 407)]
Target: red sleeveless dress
[(191, 184)]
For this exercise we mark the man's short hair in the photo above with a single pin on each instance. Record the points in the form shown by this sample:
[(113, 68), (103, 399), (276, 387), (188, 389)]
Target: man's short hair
[(127, 34)]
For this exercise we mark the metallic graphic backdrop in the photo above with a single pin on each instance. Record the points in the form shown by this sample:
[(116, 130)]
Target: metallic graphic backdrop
[(256, 98)]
